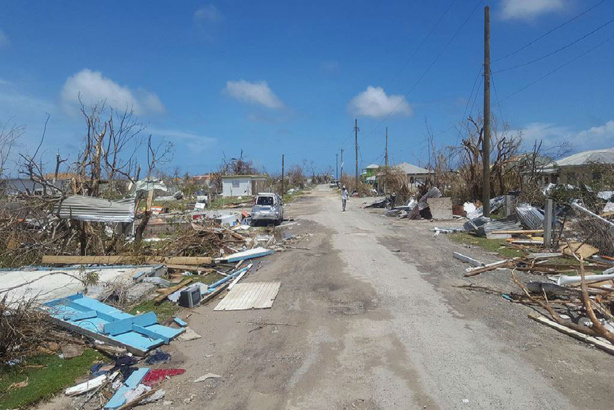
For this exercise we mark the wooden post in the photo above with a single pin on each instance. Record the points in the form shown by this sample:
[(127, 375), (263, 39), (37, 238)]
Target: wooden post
[(486, 139), (282, 175), (548, 219)]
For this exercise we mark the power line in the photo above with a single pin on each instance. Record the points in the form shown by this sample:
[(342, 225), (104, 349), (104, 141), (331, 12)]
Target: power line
[(557, 50), (530, 43), (463, 119), (412, 55), (476, 96), (558, 68), (424, 40), (428, 68), (494, 86)]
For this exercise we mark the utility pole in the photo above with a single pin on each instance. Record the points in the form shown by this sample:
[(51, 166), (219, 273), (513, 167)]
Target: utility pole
[(337, 167), (386, 147), (356, 146), (282, 175), (486, 140), (341, 174), (386, 163)]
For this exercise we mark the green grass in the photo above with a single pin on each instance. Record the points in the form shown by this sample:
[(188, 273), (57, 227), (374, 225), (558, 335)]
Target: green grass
[(164, 310), (221, 201), (491, 245), (44, 382)]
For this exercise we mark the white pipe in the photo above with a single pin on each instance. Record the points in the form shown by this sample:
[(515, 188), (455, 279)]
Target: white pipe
[(581, 208), (565, 280)]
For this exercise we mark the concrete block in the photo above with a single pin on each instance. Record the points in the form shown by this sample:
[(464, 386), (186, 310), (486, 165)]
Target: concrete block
[(441, 208)]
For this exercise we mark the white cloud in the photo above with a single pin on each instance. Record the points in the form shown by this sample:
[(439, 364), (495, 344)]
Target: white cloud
[(552, 136), (208, 13), (602, 135), (4, 40), (375, 103), (530, 9), (92, 87), (195, 143), (254, 93)]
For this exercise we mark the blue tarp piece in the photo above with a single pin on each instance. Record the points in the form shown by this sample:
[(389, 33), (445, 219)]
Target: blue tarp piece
[(119, 398), (138, 334)]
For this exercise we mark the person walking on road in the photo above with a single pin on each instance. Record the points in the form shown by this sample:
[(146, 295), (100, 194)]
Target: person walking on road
[(344, 197)]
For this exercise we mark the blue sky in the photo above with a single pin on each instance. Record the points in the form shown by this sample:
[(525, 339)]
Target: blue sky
[(273, 77)]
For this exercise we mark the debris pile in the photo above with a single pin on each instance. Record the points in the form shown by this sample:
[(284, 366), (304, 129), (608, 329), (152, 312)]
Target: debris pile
[(572, 301)]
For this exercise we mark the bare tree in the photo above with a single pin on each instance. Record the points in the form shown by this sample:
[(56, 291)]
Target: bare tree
[(237, 166), (9, 133)]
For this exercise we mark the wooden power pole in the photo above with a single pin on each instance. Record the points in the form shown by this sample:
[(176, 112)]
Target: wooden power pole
[(337, 167), (486, 139), (282, 175), (341, 173), (356, 146), (386, 156)]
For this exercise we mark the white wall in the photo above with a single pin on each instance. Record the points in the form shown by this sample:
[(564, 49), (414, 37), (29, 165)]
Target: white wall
[(244, 186)]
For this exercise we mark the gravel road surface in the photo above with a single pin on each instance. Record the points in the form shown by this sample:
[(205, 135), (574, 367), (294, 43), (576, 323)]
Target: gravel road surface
[(370, 316)]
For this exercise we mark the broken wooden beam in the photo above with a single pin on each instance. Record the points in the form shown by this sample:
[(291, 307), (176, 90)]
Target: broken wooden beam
[(518, 231), (124, 259), (491, 266), (167, 291), (600, 344)]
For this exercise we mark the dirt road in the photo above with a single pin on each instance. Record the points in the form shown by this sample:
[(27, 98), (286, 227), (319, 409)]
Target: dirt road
[(370, 318)]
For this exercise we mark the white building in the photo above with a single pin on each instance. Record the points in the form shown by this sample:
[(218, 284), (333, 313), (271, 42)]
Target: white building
[(416, 174), (240, 185)]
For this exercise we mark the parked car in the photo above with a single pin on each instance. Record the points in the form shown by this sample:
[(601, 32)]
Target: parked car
[(267, 207)]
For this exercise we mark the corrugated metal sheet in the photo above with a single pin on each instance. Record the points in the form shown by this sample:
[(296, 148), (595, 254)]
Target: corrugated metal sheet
[(254, 295), (411, 169), (530, 216), (89, 209), (602, 156)]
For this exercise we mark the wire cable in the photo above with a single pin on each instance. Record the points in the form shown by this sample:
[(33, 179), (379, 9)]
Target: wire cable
[(557, 50), (530, 43), (463, 119), (494, 86), (558, 68), (412, 55), (393, 111)]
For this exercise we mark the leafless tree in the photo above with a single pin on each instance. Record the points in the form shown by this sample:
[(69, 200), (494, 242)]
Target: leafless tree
[(9, 133)]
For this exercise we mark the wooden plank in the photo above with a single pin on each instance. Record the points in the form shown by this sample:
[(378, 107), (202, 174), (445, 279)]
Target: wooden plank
[(168, 291), (188, 260), (86, 260), (518, 231), (193, 268), (490, 266), (124, 259), (603, 345)]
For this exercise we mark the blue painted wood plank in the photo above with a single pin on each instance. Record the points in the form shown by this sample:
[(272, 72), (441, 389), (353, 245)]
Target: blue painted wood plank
[(150, 333), (126, 325), (131, 383)]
